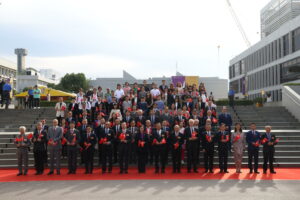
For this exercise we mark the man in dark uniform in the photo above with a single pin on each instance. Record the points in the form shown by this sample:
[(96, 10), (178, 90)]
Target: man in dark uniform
[(73, 138), (225, 118), (253, 141), (88, 142), (106, 139), (159, 142), (208, 141), (82, 131), (192, 137), (39, 140), (223, 139), (176, 141), (124, 140), (269, 141)]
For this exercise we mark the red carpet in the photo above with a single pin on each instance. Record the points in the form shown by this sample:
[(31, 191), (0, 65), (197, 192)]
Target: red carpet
[(9, 175)]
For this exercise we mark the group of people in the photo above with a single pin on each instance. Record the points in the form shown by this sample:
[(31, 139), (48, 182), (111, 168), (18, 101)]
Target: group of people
[(32, 99), (143, 126)]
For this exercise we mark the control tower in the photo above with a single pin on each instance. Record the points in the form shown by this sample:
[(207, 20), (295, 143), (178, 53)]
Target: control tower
[(21, 53)]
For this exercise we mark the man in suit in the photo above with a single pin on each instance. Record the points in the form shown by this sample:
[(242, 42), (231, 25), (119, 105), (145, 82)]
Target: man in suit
[(54, 137), (124, 140), (192, 137), (82, 130), (22, 142), (73, 107), (225, 118), (106, 139), (253, 141), (116, 128), (223, 139), (179, 118), (176, 141), (154, 119), (208, 141), (133, 130), (39, 140), (127, 118), (269, 141), (73, 138), (88, 142), (140, 119), (159, 142), (166, 116)]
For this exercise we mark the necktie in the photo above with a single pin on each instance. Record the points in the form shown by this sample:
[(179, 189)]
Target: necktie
[(208, 133), (106, 131), (132, 130)]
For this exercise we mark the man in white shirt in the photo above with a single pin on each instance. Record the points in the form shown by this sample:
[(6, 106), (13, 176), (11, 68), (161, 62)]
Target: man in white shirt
[(60, 109), (155, 91), (119, 93)]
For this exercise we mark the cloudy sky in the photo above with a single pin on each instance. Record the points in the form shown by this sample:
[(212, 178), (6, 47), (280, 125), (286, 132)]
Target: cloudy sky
[(144, 37)]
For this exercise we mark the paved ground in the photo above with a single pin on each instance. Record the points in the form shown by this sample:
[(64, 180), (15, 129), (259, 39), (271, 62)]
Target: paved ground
[(151, 189)]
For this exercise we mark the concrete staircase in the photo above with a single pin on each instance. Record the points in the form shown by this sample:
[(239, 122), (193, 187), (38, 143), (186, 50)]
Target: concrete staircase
[(285, 126)]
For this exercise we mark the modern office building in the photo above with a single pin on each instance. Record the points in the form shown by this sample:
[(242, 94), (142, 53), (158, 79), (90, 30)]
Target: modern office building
[(275, 59), (218, 86)]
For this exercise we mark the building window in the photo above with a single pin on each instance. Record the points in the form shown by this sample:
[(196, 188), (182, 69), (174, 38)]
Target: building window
[(286, 45), (296, 39)]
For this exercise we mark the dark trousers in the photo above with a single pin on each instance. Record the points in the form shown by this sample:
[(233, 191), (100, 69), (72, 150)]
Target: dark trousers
[(176, 159), (99, 154), (30, 101), (159, 152), (192, 154), (39, 160), (223, 159), (231, 100), (142, 159), (107, 151), (253, 154), (209, 159), (268, 158), (59, 119), (36, 102), (5, 99), (88, 156), (132, 153), (72, 158), (150, 155), (116, 145), (123, 156)]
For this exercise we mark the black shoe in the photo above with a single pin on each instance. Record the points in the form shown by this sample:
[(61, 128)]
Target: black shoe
[(121, 172), (211, 171), (37, 173), (206, 171), (109, 171), (221, 171), (196, 171), (273, 172), (50, 173), (251, 171), (226, 171), (265, 172), (69, 172), (19, 174), (58, 172), (126, 172), (189, 171), (256, 172), (86, 172), (156, 171)]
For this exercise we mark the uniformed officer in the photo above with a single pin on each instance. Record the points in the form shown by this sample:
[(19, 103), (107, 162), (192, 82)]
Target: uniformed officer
[(223, 139), (269, 141), (22, 143), (176, 139), (73, 138)]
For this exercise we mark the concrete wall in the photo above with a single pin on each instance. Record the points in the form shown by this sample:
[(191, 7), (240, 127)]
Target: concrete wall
[(291, 100)]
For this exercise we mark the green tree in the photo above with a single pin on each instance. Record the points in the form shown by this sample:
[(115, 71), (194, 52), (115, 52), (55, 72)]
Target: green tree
[(72, 83)]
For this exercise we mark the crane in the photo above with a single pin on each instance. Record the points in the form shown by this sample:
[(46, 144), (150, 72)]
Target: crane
[(238, 24)]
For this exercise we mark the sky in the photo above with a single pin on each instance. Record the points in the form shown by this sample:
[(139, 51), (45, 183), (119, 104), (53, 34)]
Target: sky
[(147, 38)]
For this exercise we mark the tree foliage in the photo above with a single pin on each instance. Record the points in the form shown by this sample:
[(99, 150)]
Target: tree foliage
[(72, 83)]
